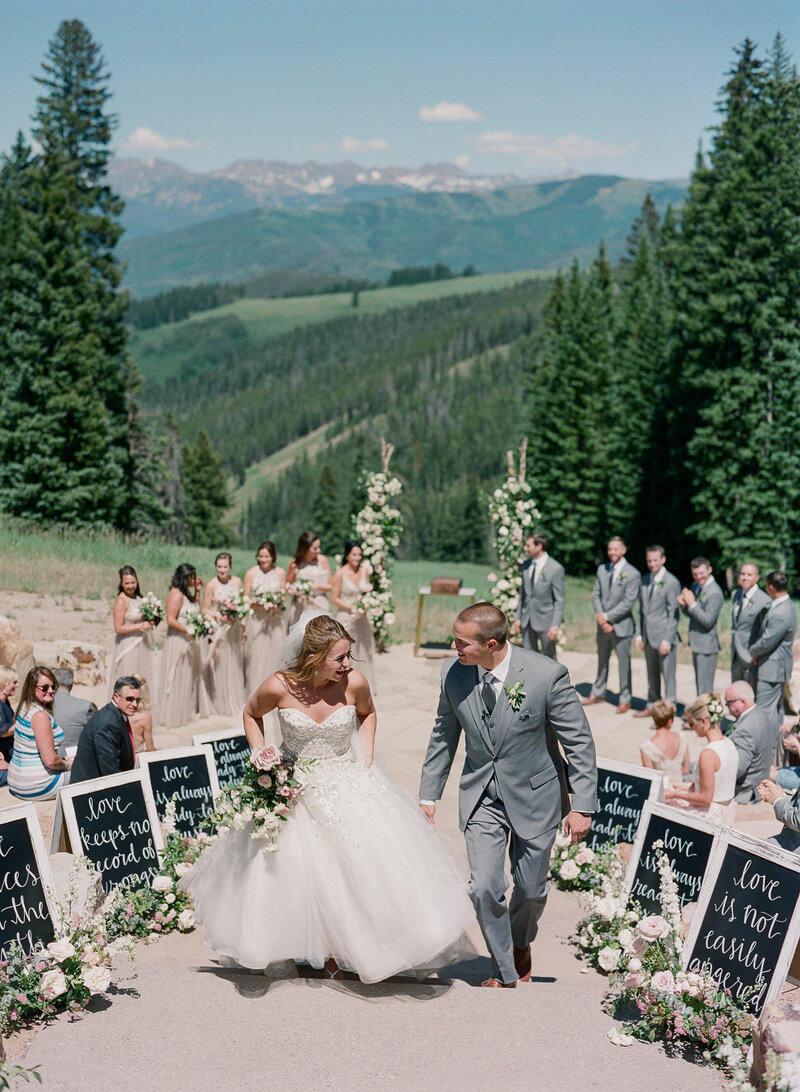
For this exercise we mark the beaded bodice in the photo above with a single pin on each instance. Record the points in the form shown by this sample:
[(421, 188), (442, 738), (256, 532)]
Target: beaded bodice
[(304, 738)]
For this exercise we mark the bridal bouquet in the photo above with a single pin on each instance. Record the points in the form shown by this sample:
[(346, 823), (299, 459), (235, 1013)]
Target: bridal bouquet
[(263, 799), (201, 625), (152, 609), (300, 588), (236, 607), (269, 600)]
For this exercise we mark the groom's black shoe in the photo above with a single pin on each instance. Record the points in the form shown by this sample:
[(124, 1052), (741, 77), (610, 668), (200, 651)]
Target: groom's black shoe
[(522, 962), (496, 984)]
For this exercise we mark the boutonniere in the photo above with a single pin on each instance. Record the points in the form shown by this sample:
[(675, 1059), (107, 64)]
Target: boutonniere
[(515, 695), (702, 597), (543, 573), (622, 576)]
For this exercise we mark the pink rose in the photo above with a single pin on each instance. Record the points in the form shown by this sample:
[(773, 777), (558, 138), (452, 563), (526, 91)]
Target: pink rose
[(265, 781), (663, 982), (265, 758), (653, 927), (284, 790)]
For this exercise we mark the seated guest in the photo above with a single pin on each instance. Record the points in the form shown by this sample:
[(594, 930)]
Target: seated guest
[(36, 770), (788, 777), (142, 720), (666, 751), (753, 738), (711, 795), (9, 681), (106, 743), (787, 811), (71, 713)]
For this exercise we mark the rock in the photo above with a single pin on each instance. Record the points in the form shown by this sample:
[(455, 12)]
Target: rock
[(87, 662), (15, 651)]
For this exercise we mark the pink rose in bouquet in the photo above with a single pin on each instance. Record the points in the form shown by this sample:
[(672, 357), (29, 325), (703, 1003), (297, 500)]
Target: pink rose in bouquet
[(266, 758)]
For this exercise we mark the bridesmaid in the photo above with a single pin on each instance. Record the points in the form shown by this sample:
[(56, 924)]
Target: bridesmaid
[(309, 563), (265, 626), (223, 671), (349, 583), (179, 689), (142, 720), (36, 770), (134, 653)]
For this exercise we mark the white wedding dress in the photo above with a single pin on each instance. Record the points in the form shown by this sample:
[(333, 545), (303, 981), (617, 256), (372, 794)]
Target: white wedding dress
[(359, 873)]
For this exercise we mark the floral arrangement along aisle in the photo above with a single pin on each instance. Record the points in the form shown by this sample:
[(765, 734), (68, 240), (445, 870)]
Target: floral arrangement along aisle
[(576, 867), (513, 515), (378, 526)]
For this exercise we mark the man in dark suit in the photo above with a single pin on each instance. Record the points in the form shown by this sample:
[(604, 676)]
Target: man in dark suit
[(106, 743), (540, 611), (771, 650), (746, 603), (71, 714)]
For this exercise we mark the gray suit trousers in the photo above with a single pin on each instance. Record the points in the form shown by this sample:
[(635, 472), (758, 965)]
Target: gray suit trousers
[(487, 834), (743, 671), (537, 642), (705, 665), (656, 664), (769, 696), (605, 643)]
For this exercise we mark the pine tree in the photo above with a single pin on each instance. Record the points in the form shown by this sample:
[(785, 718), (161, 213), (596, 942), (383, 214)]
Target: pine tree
[(205, 494), (327, 515)]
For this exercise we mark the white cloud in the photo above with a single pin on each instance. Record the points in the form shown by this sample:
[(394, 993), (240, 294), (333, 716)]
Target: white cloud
[(148, 140), (449, 111), (462, 161), (557, 152), (353, 144)]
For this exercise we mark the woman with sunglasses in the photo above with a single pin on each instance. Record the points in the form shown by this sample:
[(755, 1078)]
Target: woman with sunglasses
[(36, 770)]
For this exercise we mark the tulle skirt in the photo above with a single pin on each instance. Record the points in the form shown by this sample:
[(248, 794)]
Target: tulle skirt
[(359, 874)]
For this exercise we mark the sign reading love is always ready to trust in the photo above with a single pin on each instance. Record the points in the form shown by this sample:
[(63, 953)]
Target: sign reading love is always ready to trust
[(231, 752), (113, 821), (622, 791), (187, 775), (26, 913), (747, 923), (687, 841)]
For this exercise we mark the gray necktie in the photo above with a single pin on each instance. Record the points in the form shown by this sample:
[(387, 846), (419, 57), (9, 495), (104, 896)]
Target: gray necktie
[(488, 695)]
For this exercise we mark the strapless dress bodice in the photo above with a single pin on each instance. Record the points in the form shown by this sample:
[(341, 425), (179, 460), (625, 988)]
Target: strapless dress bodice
[(304, 738)]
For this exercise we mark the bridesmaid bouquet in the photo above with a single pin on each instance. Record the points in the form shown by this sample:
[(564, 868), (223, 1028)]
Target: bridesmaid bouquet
[(269, 600), (300, 588), (152, 609), (201, 625), (235, 608), (263, 799)]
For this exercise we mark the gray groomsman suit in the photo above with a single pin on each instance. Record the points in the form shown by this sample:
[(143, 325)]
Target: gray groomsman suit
[(788, 812), (772, 649), (743, 614), (71, 715), (513, 788), (615, 597), (703, 636), (755, 740), (541, 603), (657, 621)]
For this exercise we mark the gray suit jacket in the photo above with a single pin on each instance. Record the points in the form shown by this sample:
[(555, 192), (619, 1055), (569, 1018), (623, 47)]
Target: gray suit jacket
[(524, 758), (657, 619), (541, 604), (755, 743), (742, 621), (703, 614), (773, 646), (616, 600), (788, 812), (71, 715)]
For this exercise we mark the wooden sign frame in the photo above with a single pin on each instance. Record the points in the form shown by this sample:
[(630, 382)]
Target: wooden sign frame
[(206, 739), (758, 848), (66, 807), (655, 777), (27, 812), (679, 817), (148, 758)]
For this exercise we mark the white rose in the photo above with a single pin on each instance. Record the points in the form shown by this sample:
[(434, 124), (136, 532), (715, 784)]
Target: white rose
[(569, 870), (96, 979), (625, 938), (584, 856), (562, 838), (663, 982), (634, 964), (388, 618), (608, 958), (53, 984), (90, 958), (182, 868), (170, 898), (607, 907), (653, 927), (186, 919), (61, 949), (162, 883)]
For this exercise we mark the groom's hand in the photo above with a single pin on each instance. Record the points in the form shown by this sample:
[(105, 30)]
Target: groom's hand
[(429, 811), (577, 825)]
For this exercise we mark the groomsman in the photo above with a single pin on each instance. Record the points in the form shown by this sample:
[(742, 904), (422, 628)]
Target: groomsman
[(771, 651), (657, 626), (616, 590), (703, 602), (746, 602), (540, 610)]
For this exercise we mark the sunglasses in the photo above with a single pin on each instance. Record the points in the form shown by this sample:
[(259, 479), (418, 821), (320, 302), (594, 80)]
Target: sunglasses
[(130, 701), (46, 688)]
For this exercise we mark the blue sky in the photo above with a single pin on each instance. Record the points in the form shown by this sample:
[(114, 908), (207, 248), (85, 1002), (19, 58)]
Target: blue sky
[(532, 87)]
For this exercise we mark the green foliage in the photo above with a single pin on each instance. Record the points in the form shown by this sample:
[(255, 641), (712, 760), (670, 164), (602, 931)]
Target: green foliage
[(327, 513), (205, 493), (10, 1074), (420, 274), (180, 303)]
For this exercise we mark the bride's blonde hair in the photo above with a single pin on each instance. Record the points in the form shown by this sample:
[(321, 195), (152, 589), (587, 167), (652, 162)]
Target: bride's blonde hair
[(321, 634)]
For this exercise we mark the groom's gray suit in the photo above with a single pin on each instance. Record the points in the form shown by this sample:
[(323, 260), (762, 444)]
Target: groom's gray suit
[(513, 785)]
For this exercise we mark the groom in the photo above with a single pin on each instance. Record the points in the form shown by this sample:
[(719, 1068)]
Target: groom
[(514, 708)]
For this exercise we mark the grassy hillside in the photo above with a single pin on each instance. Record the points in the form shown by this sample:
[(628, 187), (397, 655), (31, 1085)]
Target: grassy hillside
[(539, 226)]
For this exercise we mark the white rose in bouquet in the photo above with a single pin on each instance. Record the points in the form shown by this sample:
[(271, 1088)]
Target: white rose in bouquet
[(61, 949), (96, 979), (569, 870), (53, 984), (186, 920), (608, 958), (653, 927), (162, 883)]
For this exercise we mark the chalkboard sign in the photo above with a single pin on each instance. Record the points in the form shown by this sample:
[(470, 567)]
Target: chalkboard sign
[(113, 821), (186, 775), (26, 915), (621, 792), (688, 842), (231, 751), (747, 923)]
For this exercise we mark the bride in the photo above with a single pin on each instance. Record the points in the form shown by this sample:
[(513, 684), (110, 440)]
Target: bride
[(360, 881)]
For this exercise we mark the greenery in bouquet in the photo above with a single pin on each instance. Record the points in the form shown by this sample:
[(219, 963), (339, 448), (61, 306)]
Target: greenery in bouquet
[(152, 609), (201, 626), (236, 607), (70, 970), (271, 601), (300, 588), (513, 516), (263, 800), (576, 867), (379, 527)]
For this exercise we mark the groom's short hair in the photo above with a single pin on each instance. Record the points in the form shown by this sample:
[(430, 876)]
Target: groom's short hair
[(489, 622)]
